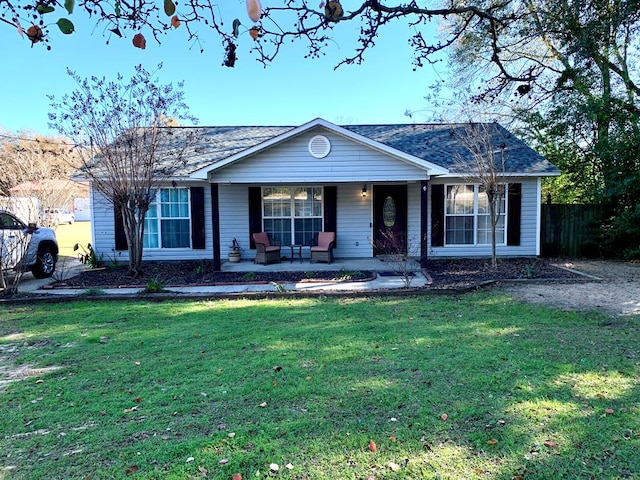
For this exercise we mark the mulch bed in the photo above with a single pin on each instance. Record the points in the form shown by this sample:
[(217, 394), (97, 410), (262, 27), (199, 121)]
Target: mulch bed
[(446, 274)]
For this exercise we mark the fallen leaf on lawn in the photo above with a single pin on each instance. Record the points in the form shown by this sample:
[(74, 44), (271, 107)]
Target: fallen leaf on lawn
[(224, 461), (132, 469), (263, 405), (608, 410), (479, 471), (444, 416), (372, 446), (275, 384), (394, 466), (392, 438), (274, 467), (550, 443), (492, 441), (203, 471), (237, 476), (137, 399)]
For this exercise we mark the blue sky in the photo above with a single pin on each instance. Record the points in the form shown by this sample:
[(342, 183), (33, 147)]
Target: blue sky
[(291, 91)]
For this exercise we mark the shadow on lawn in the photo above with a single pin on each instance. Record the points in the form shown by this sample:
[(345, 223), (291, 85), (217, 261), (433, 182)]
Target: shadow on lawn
[(337, 373)]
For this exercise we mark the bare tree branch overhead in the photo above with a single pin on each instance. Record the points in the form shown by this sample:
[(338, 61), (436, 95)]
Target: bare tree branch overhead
[(261, 30)]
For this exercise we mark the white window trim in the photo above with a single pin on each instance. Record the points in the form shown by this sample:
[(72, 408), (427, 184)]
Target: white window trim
[(160, 218), (475, 214), (292, 217)]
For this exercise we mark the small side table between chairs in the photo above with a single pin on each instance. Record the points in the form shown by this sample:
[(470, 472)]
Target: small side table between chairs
[(296, 250)]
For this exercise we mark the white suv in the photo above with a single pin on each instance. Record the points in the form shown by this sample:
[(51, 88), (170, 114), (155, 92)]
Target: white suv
[(36, 247)]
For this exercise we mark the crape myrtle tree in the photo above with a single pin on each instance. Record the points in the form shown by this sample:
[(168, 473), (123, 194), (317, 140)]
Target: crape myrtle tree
[(483, 163), (567, 71), (132, 150)]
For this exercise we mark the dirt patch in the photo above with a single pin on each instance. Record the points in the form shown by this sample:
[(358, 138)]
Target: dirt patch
[(617, 292), (11, 372)]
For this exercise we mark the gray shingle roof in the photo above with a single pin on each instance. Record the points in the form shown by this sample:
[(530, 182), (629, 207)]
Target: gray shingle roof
[(443, 145), (436, 143)]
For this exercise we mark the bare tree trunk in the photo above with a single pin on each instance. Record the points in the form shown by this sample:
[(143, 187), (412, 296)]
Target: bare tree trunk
[(133, 219), (492, 212)]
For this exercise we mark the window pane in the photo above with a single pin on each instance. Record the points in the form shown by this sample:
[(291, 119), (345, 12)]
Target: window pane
[(483, 201), (459, 230), (459, 199), (484, 230), (308, 202), (175, 233), (277, 202), (279, 229), (150, 237), (306, 230)]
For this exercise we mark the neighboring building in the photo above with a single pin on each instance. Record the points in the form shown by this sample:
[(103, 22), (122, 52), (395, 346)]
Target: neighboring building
[(364, 182), (51, 193)]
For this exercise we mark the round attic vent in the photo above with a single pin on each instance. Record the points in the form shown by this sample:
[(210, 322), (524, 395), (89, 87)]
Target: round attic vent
[(319, 146)]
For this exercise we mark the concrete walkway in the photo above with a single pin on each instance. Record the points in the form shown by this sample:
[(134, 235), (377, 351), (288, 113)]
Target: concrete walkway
[(379, 283)]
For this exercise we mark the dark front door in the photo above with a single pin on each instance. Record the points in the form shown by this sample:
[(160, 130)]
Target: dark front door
[(390, 219)]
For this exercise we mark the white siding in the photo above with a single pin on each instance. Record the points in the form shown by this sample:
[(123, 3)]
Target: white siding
[(103, 234), (291, 162), (353, 222), (413, 220), (234, 220), (529, 226)]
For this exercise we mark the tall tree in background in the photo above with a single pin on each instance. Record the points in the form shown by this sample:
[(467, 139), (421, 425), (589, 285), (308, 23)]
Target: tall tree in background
[(34, 168), (567, 71), (124, 124)]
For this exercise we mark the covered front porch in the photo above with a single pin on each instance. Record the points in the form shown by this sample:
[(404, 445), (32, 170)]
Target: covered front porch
[(376, 264)]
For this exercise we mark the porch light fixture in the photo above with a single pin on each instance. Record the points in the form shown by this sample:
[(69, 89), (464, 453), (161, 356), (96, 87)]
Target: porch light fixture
[(364, 190)]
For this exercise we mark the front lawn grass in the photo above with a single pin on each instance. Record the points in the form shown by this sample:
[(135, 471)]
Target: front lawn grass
[(470, 387)]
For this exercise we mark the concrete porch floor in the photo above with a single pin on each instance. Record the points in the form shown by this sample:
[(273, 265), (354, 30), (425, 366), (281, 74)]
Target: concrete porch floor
[(378, 264)]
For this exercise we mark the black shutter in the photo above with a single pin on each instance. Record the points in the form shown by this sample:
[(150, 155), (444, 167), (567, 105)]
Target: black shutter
[(437, 215), (197, 218), (514, 214), (215, 226), (255, 213), (331, 211), (119, 233)]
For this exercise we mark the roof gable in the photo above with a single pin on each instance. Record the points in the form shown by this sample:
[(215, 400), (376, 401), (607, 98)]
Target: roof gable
[(430, 167)]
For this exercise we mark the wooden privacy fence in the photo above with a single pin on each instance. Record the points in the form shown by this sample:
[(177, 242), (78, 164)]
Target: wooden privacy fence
[(570, 230)]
